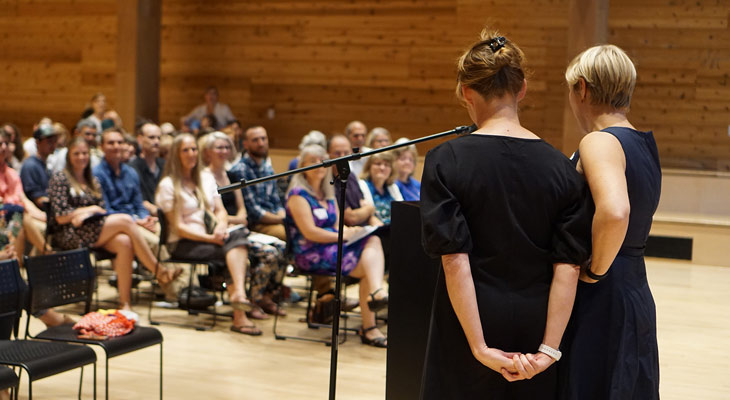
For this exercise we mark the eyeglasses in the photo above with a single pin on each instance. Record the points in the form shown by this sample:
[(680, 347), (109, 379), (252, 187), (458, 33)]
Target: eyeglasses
[(222, 148)]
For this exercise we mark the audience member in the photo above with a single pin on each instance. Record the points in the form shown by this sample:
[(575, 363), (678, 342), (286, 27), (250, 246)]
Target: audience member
[(98, 105), (29, 146), (16, 154), (199, 224), (312, 216), (356, 132), (149, 164), (129, 149), (221, 112), (377, 184), (357, 210), (267, 269), (165, 144), (405, 166), (81, 220), (378, 137), (34, 173), (15, 202), (168, 129), (313, 137), (265, 211)]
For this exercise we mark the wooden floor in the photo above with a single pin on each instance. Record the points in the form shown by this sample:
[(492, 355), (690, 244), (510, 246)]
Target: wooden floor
[(693, 307)]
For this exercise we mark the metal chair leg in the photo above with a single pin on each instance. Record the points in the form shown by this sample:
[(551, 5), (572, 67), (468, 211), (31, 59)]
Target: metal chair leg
[(81, 382), (94, 380), (160, 370), (106, 386)]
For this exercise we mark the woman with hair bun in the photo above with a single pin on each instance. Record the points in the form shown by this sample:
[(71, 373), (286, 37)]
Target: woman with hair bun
[(611, 344), (505, 212)]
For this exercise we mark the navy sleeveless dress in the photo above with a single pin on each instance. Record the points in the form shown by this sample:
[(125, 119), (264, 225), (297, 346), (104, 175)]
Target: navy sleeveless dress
[(610, 346)]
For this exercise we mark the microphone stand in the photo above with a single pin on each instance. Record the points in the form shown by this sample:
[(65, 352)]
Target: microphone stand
[(343, 173)]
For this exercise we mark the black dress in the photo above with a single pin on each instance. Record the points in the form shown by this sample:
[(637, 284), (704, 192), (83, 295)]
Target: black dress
[(610, 346), (65, 199), (516, 206)]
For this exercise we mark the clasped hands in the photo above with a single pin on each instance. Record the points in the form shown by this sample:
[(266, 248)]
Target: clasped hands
[(513, 366)]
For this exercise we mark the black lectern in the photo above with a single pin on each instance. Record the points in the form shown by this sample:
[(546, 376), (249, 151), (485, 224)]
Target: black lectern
[(413, 278)]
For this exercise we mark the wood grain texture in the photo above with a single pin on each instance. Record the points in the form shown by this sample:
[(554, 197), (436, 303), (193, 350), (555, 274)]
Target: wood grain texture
[(319, 64)]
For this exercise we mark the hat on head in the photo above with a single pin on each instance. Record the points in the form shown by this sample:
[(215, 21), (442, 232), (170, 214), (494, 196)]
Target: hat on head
[(44, 131)]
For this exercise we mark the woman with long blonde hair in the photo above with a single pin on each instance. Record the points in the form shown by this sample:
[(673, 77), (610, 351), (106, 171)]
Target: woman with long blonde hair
[(189, 199)]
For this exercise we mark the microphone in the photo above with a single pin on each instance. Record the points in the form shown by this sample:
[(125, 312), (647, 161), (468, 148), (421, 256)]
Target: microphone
[(465, 130)]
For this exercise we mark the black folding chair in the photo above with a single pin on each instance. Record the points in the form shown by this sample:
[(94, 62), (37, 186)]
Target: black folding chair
[(38, 359), (67, 278)]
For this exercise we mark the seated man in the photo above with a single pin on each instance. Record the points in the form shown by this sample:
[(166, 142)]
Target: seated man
[(120, 185), (149, 165), (34, 178), (358, 211), (265, 211)]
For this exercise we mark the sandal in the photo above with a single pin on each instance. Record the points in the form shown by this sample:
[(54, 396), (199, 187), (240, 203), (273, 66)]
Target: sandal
[(380, 341), (257, 313), (377, 304), (167, 275), (251, 330), (269, 307)]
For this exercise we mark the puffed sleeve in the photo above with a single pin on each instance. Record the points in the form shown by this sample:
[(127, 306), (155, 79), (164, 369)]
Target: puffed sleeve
[(165, 194), (572, 238), (443, 225)]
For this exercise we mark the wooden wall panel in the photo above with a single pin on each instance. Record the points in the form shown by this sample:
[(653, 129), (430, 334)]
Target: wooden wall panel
[(54, 55), (320, 64), (682, 52)]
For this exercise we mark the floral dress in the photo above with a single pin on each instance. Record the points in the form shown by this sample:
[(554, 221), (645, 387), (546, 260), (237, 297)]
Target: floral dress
[(65, 199), (320, 257)]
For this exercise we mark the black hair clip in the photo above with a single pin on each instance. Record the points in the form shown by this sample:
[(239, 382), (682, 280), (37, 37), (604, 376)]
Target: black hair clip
[(497, 43)]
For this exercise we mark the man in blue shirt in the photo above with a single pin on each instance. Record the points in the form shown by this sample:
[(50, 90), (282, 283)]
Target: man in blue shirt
[(263, 205), (120, 182), (33, 173)]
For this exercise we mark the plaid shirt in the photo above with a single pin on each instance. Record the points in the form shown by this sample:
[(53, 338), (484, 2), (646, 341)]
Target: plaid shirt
[(260, 198)]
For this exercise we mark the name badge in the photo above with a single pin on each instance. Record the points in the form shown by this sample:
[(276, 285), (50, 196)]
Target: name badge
[(320, 213)]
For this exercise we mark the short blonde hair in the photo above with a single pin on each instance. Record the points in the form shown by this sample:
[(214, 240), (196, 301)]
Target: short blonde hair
[(609, 74), (406, 149), (207, 141), (386, 156), (377, 131)]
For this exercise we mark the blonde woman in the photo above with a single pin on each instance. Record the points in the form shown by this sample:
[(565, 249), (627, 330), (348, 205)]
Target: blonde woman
[(267, 269), (611, 344), (377, 183), (378, 137), (199, 223), (503, 211), (81, 221), (311, 216), (405, 166)]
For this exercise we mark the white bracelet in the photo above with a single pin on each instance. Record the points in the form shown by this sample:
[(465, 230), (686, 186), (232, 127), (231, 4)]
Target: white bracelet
[(555, 354)]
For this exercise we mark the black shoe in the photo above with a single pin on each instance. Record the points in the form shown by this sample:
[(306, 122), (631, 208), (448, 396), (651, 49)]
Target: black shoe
[(376, 305)]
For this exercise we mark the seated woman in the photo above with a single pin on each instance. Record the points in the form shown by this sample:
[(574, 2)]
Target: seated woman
[(81, 221), (376, 183), (311, 216), (268, 265), (405, 165), (378, 137), (199, 224)]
